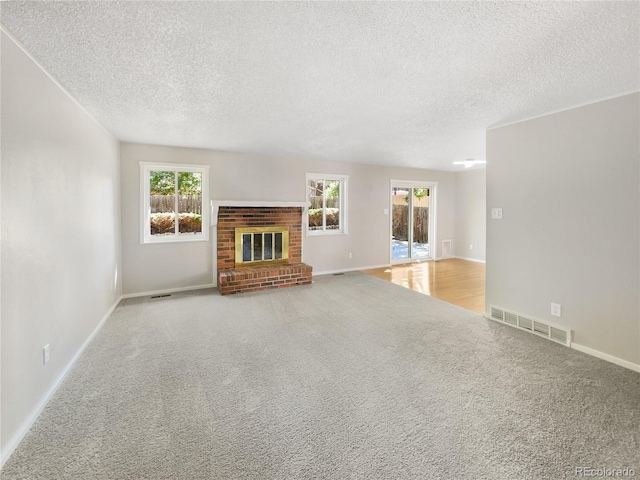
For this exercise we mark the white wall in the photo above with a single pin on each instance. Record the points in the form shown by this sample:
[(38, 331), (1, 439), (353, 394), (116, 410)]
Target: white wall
[(60, 235), (234, 176), (568, 184), (471, 218)]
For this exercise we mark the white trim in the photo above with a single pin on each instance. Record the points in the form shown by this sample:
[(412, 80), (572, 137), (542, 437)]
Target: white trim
[(168, 290), (605, 356), (553, 112), (28, 423), (355, 269), (324, 233), (216, 204), (145, 236), (470, 259), (433, 193), (344, 204), (78, 104)]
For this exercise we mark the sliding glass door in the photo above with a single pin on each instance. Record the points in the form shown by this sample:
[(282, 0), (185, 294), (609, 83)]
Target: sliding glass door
[(411, 206)]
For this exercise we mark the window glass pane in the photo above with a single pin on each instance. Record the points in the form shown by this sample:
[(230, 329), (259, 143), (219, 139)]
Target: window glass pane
[(268, 242), (257, 247), (278, 245), (400, 223), (162, 202), (246, 247), (420, 246), (315, 189), (332, 202), (190, 202)]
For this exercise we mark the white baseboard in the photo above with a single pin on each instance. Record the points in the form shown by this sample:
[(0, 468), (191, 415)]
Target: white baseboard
[(28, 423), (471, 259), (605, 356), (344, 270), (168, 290)]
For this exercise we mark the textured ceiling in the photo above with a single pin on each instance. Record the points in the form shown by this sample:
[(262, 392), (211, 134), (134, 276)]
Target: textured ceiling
[(411, 84)]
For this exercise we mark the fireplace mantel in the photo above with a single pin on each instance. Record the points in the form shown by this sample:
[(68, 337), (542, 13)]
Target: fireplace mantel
[(216, 204)]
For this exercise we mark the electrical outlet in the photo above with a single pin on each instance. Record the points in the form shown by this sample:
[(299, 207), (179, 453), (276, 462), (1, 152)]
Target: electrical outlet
[(556, 309), (45, 354), (350, 255), (496, 213)]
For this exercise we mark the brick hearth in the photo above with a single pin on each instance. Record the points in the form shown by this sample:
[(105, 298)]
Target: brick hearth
[(232, 279)]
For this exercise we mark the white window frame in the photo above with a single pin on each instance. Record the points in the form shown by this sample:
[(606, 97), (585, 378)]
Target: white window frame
[(145, 196), (344, 189)]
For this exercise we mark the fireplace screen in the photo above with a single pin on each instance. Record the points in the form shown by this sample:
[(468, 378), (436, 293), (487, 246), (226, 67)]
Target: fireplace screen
[(259, 245)]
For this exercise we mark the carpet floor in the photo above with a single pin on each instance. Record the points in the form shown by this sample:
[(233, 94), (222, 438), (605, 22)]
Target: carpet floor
[(351, 377)]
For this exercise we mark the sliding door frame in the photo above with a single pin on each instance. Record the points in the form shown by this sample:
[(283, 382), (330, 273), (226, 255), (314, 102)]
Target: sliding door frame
[(433, 188)]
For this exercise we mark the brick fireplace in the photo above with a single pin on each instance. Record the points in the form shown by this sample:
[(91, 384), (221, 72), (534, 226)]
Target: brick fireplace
[(237, 277)]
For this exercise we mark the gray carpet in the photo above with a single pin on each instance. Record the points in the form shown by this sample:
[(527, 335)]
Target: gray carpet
[(349, 378)]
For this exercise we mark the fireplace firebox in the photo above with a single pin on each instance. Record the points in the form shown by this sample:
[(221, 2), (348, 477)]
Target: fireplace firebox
[(262, 245)]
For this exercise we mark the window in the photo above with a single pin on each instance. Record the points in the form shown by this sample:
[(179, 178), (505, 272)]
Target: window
[(327, 195), (173, 208)]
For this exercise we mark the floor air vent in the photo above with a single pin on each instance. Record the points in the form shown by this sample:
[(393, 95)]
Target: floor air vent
[(525, 323), (161, 296), (559, 335), (511, 318), (497, 314), (542, 329)]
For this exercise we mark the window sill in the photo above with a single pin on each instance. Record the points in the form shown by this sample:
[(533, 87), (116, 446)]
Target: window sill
[(157, 241), (324, 233)]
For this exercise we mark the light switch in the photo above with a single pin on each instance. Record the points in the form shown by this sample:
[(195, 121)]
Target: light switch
[(386, 211)]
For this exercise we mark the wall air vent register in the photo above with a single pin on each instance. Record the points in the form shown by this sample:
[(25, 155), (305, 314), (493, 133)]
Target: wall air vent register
[(542, 329)]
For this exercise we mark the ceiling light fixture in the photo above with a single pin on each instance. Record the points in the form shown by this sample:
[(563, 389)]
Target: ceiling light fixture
[(470, 162)]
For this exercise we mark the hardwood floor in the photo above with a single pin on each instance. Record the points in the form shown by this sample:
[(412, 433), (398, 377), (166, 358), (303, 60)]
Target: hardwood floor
[(453, 280)]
